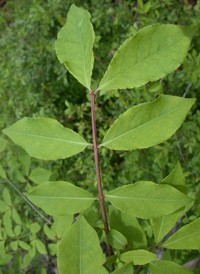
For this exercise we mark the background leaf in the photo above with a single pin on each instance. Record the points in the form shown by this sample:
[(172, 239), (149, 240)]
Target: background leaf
[(79, 250), (161, 226), (146, 199), (45, 138), (116, 239), (138, 257), (59, 198), (150, 54), (187, 237), (74, 45), (147, 124), (129, 227), (128, 269), (40, 175), (166, 267)]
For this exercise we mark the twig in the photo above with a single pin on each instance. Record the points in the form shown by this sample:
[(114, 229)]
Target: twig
[(29, 202), (98, 175)]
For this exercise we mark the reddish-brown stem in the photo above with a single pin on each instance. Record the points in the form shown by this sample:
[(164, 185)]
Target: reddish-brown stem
[(98, 175)]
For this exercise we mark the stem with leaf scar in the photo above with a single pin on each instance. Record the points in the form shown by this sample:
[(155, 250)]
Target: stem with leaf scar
[(98, 175)]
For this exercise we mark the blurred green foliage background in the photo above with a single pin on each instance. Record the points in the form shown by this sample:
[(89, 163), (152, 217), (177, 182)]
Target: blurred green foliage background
[(34, 83)]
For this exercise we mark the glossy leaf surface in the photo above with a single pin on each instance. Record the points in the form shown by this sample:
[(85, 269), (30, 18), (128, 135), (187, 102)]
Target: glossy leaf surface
[(79, 250), (187, 237), (147, 124), (147, 56), (45, 138), (59, 198), (74, 45), (138, 257), (146, 199), (166, 267)]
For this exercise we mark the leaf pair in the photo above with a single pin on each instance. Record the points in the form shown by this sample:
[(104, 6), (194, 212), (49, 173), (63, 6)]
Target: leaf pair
[(143, 199), (139, 127), (147, 56)]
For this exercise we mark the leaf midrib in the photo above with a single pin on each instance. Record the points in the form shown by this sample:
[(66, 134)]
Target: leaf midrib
[(61, 197), (51, 138), (145, 199)]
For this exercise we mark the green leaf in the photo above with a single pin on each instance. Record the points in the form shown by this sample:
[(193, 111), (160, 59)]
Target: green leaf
[(14, 245), (62, 223), (7, 196), (146, 199), (2, 173), (34, 228), (49, 232), (3, 207), (40, 247), (24, 245), (161, 226), (147, 56), (138, 257), (17, 230), (40, 175), (16, 217), (59, 198), (176, 179), (74, 45), (116, 239), (148, 124), (128, 269), (166, 267), (79, 250), (187, 237), (129, 227), (3, 144), (45, 138)]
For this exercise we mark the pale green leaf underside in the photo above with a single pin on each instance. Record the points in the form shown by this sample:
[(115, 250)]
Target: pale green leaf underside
[(168, 267), (59, 198), (79, 251), (138, 257), (187, 237), (146, 199), (147, 124), (126, 269), (45, 138), (147, 56), (74, 45)]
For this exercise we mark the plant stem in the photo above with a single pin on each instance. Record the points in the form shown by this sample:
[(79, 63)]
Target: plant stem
[(98, 175)]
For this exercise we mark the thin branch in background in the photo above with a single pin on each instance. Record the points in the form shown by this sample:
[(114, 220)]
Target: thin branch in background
[(180, 149), (29, 202), (193, 263), (187, 90)]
